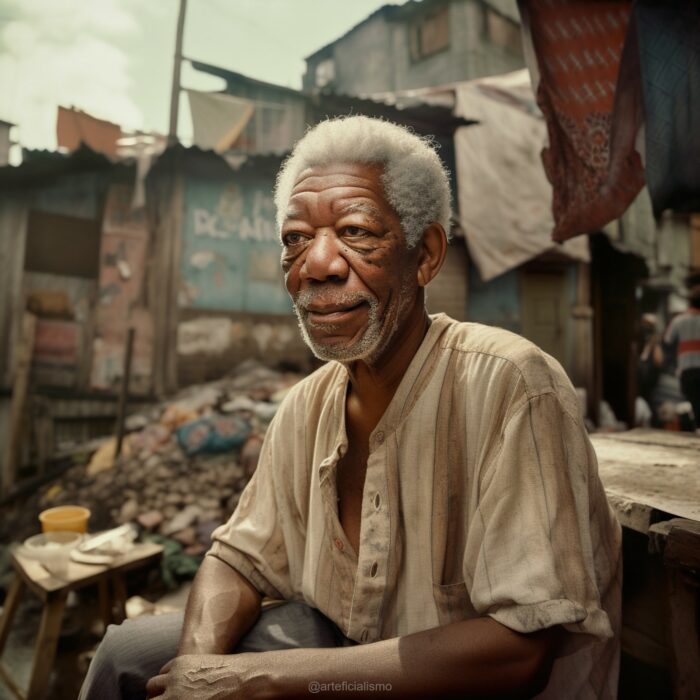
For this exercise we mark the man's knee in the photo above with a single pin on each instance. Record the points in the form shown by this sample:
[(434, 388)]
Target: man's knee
[(292, 625), (130, 654)]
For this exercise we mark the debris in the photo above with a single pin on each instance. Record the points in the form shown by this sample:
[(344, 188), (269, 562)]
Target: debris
[(181, 488), (129, 511), (250, 454), (183, 519), (186, 537), (215, 433), (103, 458)]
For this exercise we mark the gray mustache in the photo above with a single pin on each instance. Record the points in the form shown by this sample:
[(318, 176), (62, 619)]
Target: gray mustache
[(309, 296)]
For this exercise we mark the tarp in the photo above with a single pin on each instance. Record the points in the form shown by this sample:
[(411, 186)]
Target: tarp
[(74, 128), (503, 193), (218, 119)]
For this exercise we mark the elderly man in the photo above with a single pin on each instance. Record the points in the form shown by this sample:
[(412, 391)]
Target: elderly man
[(428, 499)]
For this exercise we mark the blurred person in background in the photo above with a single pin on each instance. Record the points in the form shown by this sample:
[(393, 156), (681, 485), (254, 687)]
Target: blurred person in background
[(682, 346), (650, 366)]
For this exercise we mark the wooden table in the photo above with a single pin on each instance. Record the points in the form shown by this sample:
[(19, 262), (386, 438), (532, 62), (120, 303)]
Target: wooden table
[(53, 592), (652, 480)]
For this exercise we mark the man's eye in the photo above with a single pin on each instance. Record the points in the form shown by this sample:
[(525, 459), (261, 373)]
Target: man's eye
[(292, 238), (355, 232)]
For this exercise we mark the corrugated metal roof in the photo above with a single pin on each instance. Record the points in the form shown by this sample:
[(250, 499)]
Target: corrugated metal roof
[(427, 117), (233, 76), (41, 165), (424, 117)]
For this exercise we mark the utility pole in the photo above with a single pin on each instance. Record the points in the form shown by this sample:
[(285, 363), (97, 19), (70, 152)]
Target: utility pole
[(175, 94)]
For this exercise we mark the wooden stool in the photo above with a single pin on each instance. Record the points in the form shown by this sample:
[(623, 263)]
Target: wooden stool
[(54, 592)]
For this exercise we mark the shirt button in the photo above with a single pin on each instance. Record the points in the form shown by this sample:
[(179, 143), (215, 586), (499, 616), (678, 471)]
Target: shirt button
[(339, 543), (377, 501), (373, 570), (379, 437)]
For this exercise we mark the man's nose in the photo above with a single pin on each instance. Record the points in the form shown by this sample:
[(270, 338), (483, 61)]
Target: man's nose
[(323, 260)]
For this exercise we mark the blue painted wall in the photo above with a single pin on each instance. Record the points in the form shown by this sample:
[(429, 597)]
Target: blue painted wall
[(497, 302), (230, 248)]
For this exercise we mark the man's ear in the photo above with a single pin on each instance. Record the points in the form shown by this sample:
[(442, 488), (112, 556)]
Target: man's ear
[(431, 254)]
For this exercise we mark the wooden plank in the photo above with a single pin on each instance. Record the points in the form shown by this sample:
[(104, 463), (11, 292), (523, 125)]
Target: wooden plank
[(9, 609), (49, 630), (13, 232), (19, 399), (104, 600), (683, 545), (630, 514), (9, 681), (658, 470), (119, 587), (174, 277), (79, 575), (683, 629), (124, 391)]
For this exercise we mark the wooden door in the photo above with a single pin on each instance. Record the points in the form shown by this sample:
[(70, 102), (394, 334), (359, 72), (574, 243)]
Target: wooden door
[(543, 310)]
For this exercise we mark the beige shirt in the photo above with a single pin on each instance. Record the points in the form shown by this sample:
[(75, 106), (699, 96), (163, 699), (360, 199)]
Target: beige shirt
[(481, 497)]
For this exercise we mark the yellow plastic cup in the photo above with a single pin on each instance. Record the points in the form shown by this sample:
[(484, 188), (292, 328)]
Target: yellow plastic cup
[(66, 518)]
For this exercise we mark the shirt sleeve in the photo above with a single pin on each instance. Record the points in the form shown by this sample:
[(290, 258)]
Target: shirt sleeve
[(544, 546), (253, 540)]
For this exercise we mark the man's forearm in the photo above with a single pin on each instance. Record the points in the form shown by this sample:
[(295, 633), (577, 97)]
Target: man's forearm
[(221, 608), (475, 658)]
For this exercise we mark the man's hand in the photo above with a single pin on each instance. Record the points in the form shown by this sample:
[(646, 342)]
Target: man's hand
[(201, 677)]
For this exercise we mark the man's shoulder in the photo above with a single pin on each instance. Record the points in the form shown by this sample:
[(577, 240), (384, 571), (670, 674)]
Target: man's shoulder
[(506, 363), (502, 355)]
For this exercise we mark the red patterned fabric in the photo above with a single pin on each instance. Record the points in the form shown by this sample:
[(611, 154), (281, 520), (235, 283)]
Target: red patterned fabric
[(587, 84)]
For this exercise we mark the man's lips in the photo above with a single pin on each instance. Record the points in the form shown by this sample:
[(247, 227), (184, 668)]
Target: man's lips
[(331, 313)]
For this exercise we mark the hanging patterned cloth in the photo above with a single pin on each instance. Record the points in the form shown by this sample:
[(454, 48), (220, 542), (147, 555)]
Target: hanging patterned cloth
[(592, 107)]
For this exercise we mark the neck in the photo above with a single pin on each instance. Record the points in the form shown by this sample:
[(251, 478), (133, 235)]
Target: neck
[(379, 380)]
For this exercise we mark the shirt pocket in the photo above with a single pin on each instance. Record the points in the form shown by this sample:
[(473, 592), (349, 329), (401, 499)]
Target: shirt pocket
[(453, 603)]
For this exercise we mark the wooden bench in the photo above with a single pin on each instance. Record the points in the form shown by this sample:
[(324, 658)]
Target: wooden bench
[(53, 592)]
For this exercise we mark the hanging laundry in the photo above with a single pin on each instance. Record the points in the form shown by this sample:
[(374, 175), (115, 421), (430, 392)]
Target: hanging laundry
[(587, 85), (669, 57), (217, 119)]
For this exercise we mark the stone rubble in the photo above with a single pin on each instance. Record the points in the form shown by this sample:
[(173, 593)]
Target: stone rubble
[(154, 483)]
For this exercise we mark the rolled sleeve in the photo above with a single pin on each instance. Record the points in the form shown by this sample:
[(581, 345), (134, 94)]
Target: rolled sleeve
[(253, 540), (543, 547)]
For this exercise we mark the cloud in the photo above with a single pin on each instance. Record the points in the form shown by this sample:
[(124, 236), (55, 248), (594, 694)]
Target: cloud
[(65, 53)]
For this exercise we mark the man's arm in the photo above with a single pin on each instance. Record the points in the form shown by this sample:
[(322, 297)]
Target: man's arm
[(475, 658), (221, 608)]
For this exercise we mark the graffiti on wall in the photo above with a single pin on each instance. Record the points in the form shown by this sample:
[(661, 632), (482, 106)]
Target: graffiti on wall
[(218, 335), (120, 305), (230, 248)]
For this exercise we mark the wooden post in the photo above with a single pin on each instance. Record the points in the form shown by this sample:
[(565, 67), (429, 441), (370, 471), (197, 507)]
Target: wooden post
[(175, 91), (19, 400), (124, 392)]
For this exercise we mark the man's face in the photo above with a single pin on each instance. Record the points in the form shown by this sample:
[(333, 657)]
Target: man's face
[(346, 264)]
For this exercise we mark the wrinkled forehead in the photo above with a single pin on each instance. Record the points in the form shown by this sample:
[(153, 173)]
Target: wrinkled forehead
[(354, 187)]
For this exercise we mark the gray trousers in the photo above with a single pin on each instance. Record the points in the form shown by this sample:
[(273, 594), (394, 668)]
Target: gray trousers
[(134, 651)]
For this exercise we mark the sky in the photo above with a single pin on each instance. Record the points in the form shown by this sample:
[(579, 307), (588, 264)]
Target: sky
[(114, 58)]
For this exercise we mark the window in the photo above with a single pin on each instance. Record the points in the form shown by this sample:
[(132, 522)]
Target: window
[(62, 245), (325, 72), (502, 32), (430, 34)]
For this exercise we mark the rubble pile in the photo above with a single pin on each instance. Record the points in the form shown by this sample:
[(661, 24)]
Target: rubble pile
[(183, 464)]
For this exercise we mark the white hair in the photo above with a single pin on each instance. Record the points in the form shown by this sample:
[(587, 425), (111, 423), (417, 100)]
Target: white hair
[(416, 183)]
